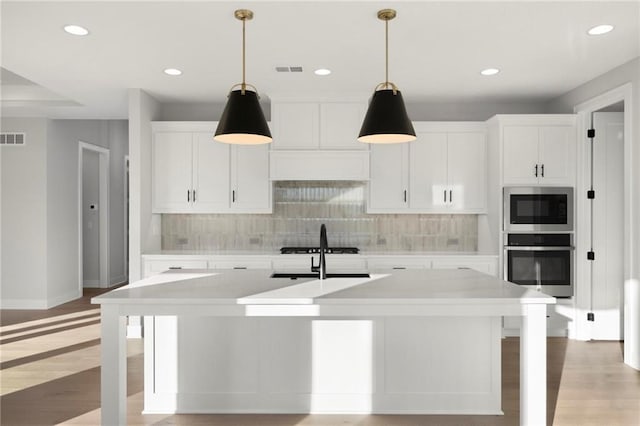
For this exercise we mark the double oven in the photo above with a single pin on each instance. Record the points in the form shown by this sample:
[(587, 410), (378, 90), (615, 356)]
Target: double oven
[(538, 238)]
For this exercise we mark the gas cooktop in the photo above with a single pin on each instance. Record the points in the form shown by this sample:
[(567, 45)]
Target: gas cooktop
[(312, 250)]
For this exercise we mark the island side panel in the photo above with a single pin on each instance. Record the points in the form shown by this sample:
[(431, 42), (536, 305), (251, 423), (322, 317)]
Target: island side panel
[(533, 366), (325, 365), (113, 372)]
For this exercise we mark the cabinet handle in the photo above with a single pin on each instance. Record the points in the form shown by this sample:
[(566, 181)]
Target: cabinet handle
[(239, 267), (405, 195), (450, 196), (445, 195), (542, 169), (194, 195), (188, 195), (175, 267), (536, 170), (399, 267), (233, 196)]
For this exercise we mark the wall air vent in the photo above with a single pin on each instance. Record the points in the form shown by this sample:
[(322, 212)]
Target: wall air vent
[(12, 139), (289, 69)]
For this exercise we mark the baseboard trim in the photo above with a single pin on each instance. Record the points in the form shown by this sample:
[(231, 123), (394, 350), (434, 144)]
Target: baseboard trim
[(121, 279), (91, 283), (23, 304), (68, 297)]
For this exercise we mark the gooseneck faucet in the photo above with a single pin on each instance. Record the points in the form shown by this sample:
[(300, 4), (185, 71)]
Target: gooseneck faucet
[(321, 268)]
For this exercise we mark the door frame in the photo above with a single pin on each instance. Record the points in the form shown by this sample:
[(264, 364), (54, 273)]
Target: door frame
[(583, 296), (103, 174)]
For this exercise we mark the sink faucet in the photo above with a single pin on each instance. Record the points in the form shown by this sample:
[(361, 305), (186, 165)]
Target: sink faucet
[(321, 268)]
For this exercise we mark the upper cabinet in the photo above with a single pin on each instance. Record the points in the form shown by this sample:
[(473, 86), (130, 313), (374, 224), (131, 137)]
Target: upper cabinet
[(442, 171), (538, 149), (192, 173), (317, 125)]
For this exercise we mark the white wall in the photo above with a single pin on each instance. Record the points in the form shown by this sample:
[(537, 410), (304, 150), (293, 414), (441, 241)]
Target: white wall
[(24, 216), (40, 208), (626, 73), (91, 218), (145, 229)]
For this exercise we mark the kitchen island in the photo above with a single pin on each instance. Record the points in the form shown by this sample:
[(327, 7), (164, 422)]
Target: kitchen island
[(413, 341)]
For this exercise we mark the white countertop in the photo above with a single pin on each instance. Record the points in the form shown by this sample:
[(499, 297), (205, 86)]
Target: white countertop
[(255, 287)]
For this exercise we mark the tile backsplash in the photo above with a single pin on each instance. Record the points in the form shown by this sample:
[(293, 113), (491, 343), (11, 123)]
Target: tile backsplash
[(300, 207)]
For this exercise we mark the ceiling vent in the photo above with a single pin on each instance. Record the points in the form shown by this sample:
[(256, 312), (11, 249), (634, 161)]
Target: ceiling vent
[(12, 139), (289, 69)]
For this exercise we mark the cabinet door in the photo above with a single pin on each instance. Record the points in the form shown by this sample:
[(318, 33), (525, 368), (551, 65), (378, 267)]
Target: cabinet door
[(428, 172), (388, 189), (172, 155), (520, 148), (467, 175), (340, 124), (295, 125), (557, 155), (211, 174), (251, 187)]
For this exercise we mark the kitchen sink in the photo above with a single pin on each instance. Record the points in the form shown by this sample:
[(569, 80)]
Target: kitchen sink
[(296, 275)]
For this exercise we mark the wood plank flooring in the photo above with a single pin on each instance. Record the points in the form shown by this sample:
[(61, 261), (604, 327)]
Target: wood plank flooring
[(50, 374)]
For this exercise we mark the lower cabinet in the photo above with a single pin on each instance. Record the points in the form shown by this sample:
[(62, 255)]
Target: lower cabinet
[(487, 266), (155, 267), (389, 263)]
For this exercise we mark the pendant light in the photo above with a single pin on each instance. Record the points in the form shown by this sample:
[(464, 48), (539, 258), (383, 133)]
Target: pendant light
[(242, 120), (386, 120)]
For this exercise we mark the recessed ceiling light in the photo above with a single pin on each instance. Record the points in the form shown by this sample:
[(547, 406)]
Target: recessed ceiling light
[(172, 71), (600, 29), (490, 71), (322, 71), (76, 30)]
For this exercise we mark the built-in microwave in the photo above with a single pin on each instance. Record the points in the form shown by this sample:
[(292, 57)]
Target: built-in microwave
[(538, 209)]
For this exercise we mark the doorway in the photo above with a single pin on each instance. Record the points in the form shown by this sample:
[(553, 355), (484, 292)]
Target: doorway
[(605, 287), (93, 216)]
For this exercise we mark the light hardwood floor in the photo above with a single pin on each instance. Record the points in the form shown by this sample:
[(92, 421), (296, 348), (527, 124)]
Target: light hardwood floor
[(50, 374)]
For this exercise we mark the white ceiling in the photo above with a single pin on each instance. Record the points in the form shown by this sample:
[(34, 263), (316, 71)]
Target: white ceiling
[(436, 50)]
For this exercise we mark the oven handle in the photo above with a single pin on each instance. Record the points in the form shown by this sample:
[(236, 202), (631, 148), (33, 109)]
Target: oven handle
[(539, 248)]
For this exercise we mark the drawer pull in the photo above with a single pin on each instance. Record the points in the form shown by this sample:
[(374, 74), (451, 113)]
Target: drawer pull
[(399, 267), (175, 267), (239, 267)]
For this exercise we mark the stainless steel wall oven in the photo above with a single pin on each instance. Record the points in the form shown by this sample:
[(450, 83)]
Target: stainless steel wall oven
[(543, 262)]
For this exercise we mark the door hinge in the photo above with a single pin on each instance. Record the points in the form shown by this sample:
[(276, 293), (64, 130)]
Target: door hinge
[(591, 316), (591, 133), (591, 194), (591, 255)]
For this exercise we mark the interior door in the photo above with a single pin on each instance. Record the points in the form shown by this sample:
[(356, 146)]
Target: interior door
[(608, 225)]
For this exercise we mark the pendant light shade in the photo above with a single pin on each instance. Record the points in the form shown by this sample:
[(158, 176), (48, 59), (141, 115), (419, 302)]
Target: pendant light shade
[(386, 120), (242, 120)]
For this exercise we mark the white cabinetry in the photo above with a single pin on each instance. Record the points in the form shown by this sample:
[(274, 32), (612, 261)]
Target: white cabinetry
[(157, 266), (482, 264), (317, 125), (442, 171), (538, 150), (192, 173)]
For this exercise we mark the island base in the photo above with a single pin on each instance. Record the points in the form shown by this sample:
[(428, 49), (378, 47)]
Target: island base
[(399, 365)]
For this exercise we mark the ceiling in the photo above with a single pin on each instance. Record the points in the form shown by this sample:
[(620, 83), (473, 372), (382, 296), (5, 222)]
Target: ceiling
[(437, 50)]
